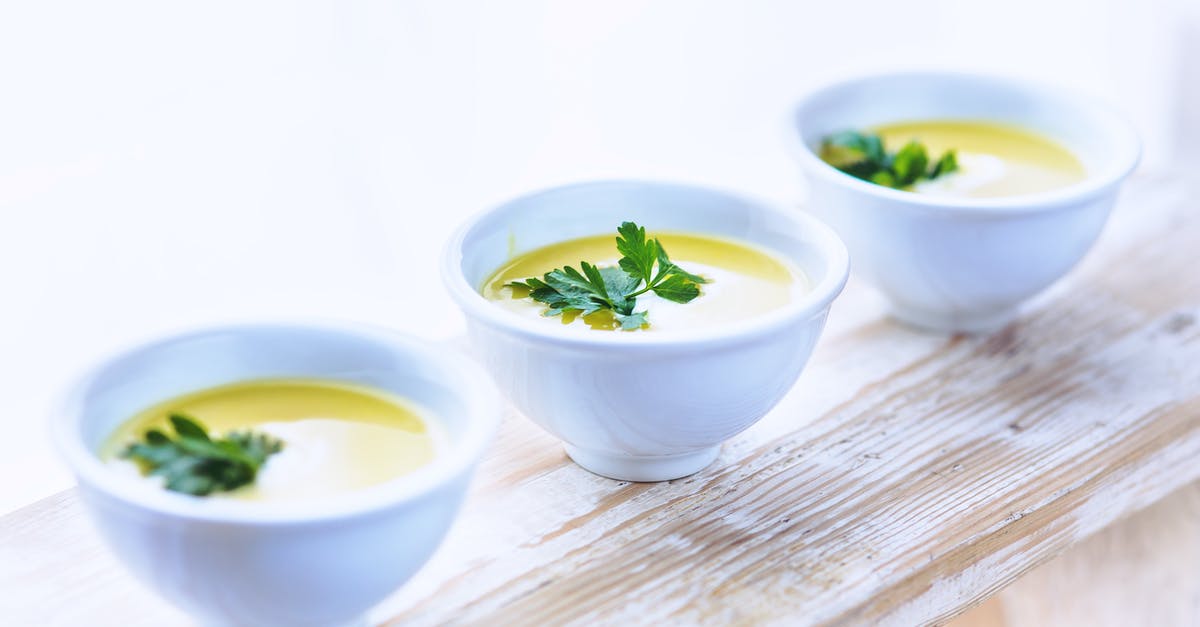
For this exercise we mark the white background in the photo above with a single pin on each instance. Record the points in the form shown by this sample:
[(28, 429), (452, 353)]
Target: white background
[(168, 164)]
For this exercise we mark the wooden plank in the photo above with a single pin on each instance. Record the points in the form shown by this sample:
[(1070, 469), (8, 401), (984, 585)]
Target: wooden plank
[(55, 571), (904, 479), (1144, 570)]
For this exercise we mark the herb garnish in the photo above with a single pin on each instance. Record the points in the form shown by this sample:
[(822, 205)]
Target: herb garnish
[(616, 288), (862, 155), (194, 463)]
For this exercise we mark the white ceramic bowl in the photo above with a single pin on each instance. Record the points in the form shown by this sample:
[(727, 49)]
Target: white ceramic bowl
[(643, 406), (323, 562), (963, 264)]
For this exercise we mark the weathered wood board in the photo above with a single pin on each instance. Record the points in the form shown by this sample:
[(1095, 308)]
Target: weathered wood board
[(1143, 570)]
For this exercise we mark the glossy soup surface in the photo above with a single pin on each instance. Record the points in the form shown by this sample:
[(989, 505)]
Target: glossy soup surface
[(337, 437), (994, 159), (743, 281)]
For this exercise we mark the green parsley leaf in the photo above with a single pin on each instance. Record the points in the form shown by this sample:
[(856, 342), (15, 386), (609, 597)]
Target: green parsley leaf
[(885, 178), (194, 463), (620, 286), (862, 155), (677, 288), (946, 164), (632, 322), (644, 266), (666, 266), (639, 255), (848, 148), (910, 163), (187, 428)]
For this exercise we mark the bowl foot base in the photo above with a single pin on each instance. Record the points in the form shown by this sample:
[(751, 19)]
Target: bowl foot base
[(642, 468), (953, 321)]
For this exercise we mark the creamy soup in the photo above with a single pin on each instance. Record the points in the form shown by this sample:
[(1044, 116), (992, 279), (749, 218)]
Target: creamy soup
[(993, 159), (337, 437), (742, 281)]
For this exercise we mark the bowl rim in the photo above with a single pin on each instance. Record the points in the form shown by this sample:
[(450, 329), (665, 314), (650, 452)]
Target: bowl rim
[(473, 388), (813, 303), (1116, 124)]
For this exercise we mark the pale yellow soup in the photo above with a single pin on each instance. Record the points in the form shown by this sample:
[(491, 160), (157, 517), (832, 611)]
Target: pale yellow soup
[(743, 281), (994, 159), (337, 437)]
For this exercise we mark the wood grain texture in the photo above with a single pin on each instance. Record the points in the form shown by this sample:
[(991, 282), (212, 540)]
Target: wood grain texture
[(1144, 570), (906, 477)]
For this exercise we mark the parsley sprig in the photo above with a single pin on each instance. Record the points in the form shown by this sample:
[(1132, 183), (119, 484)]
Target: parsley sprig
[(644, 267), (194, 463), (862, 155)]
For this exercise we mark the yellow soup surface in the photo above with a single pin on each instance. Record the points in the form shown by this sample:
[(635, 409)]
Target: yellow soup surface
[(994, 159), (337, 437), (743, 281)]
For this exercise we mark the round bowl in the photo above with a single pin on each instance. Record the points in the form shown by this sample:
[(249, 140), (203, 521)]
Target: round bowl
[(643, 405), (320, 562), (963, 264)]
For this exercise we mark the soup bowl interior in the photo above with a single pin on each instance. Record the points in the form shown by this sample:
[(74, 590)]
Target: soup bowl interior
[(589, 209), (266, 563), (643, 405), (960, 263), (1103, 141)]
